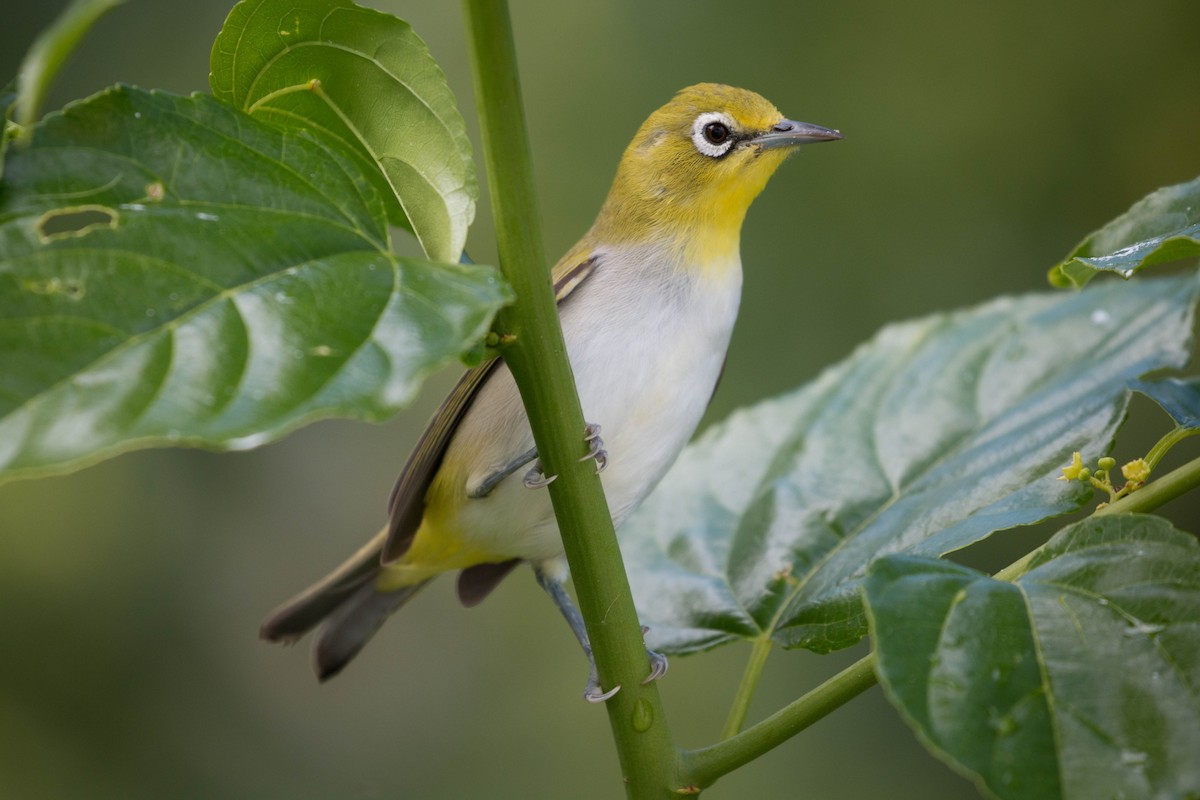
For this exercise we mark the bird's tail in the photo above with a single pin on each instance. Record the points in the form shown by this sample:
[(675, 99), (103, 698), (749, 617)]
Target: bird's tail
[(345, 604)]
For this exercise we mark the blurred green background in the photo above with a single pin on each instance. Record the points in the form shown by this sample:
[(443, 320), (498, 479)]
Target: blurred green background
[(982, 142)]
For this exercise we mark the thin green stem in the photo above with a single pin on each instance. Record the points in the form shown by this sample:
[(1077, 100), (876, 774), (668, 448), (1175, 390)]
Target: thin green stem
[(1149, 497), (1157, 492), (537, 358), (745, 691), (703, 766), (1163, 445)]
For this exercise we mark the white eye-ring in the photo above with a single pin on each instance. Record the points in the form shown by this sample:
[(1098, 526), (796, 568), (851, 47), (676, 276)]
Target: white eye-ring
[(712, 133)]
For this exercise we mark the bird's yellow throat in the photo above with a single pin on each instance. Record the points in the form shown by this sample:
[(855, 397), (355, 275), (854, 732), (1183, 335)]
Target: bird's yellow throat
[(665, 192)]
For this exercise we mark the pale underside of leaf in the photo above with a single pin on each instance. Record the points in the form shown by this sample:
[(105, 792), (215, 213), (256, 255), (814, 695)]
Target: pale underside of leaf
[(931, 437)]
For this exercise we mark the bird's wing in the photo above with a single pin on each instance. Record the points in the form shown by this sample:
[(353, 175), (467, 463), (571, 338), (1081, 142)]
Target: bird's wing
[(407, 503)]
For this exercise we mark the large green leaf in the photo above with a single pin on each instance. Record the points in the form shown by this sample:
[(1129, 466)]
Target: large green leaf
[(1080, 680), (172, 271), (367, 81), (1163, 226), (932, 436)]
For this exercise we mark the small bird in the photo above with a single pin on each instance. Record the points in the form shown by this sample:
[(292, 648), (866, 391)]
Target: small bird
[(647, 300)]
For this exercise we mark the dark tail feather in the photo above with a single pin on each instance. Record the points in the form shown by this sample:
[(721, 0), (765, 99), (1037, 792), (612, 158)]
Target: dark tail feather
[(352, 624), (349, 605)]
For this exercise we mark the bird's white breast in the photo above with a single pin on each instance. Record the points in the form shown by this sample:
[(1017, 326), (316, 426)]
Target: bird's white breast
[(647, 339)]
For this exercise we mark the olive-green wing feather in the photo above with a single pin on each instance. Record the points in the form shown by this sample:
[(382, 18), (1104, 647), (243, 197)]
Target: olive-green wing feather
[(406, 506)]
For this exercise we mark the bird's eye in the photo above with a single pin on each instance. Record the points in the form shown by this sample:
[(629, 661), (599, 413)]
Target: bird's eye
[(716, 132), (713, 134)]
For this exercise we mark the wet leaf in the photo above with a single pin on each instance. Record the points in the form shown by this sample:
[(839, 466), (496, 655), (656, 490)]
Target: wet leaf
[(1079, 680), (1163, 226)]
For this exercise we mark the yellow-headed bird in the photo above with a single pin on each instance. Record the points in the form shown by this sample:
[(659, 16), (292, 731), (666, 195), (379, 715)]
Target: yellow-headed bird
[(647, 300)]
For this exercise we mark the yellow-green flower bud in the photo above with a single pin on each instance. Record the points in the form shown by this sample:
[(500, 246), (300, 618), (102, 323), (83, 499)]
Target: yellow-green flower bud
[(1136, 471), (1071, 472), (1107, 462)]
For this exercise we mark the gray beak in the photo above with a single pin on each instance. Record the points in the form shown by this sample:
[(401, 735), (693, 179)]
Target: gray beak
[(789, 133)]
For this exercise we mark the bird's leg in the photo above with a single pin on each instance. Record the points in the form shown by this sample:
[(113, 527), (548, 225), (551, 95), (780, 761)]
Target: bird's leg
[(592, 692), (493, 480), (536, 479), (558, 594)]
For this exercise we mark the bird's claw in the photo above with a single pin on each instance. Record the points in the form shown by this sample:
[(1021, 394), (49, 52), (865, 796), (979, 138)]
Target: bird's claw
[(596, 451), (592, 692), (536, 479), (658, 662)]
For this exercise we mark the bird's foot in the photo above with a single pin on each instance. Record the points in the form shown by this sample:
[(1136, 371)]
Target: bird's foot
[(592, 692), (536, 479), (596, 451), (658, 662)]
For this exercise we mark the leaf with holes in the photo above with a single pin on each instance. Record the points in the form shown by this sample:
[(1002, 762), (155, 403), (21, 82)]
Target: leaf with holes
[(1161, 227), (365, 80), (174, 272), (1081, 679), (930, 437)]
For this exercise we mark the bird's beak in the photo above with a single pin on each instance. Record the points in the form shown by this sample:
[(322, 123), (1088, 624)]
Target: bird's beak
[(789, 133)]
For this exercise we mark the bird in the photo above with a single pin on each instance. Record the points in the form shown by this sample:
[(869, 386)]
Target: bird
[(647, 301)]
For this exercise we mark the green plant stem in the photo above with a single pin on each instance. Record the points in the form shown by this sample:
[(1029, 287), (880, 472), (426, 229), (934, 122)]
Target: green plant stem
[(1149, 497), (703, 766), (537, 358), (1166, 443), (745, 692), (1157, 492)]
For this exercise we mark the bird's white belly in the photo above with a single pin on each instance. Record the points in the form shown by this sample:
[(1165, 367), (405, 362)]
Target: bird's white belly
[(646, 360)]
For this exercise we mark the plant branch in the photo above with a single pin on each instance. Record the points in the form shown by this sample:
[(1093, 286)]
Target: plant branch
[(1158, 492), (703, 766), (537, 358), (745, 691), (1167, 442)]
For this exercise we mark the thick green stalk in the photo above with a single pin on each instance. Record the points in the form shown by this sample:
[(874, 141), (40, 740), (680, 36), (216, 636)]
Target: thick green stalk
[(538, 360)]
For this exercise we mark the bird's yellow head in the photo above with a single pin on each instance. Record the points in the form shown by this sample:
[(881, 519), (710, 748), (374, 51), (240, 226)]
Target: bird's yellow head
[(695, 166)]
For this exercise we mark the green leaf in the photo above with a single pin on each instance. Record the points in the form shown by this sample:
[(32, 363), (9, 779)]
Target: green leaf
[(50, 51), (365, 80), (174, 272), (929, 438), (1163, 226), (1081, 680), (1179, 397)]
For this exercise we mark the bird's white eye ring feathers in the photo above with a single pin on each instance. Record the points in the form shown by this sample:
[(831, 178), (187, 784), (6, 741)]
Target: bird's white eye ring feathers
[(712, 134)]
